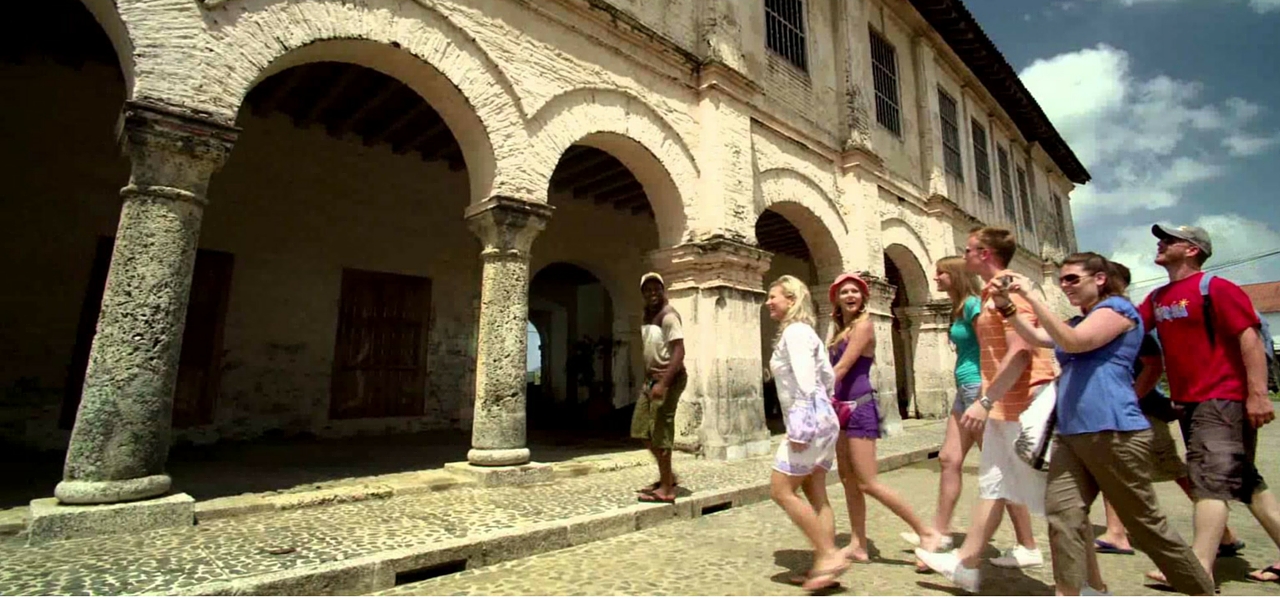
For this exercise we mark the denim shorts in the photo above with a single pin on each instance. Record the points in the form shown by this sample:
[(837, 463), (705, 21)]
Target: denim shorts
[(966, 394)]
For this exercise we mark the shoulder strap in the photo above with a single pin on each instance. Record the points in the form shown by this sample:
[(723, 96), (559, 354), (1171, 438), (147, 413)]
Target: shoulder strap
[(1207, 300)]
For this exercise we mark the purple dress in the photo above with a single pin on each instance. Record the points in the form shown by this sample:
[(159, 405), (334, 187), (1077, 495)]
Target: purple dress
[(855, 398)]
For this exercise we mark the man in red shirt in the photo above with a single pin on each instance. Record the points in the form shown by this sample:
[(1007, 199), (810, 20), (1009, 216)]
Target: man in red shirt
[(1220, 384)]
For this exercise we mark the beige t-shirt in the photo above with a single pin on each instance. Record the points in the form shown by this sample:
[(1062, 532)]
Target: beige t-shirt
[(658, 339)]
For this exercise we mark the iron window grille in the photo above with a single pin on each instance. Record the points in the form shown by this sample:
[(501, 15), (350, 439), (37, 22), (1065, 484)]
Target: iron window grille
[(1060, 224), (1026, 199), (884, 75), (1032, 199), (950, 135), (981, 158), (1006, 185), (784, 31)]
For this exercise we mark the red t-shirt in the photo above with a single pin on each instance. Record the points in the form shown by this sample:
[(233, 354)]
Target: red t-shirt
[(1199, 371)]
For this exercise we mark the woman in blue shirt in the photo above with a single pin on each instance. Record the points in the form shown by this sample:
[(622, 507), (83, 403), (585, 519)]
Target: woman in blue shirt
[(1103, 442)]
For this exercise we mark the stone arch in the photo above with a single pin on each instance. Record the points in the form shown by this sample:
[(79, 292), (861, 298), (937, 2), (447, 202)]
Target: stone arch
[(406, 40), (907, 251), (631, 131), (104, 12), (806, 206)]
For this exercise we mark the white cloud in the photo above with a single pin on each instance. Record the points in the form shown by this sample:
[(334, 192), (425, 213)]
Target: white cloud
[(1264, 6), (1142, 139), (1234, 237), (1260, 6), (1243, 144)]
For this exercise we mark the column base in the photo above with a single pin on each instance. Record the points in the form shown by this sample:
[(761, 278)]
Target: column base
[(738, 451), (504, 457), (52, 521), (503, 475), (106, 492)]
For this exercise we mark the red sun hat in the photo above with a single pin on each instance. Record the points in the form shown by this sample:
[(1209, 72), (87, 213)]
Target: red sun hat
[(846, 278)]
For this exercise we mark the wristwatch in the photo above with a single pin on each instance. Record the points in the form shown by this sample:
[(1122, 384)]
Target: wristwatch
[(985, 401)]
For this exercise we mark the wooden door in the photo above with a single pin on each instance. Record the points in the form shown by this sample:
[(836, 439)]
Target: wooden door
[(379, 364), (199, 364)]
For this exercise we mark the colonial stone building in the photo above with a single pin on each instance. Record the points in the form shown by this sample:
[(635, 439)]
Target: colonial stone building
[(338, 217)]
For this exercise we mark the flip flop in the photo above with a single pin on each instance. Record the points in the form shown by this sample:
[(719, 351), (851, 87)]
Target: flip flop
[(655, 485), (1102, 547), (820, 580), (1158, 578), (652, 497), (1273, 570), (1229, 550)]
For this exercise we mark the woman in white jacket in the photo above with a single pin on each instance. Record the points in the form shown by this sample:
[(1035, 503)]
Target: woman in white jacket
[(805, 380)]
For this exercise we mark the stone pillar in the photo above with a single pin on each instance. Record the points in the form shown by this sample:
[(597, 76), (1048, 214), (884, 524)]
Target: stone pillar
[(932, 172), (822, 308), (506, 228), (853, 50), (716, 287), (933, 359), (120, 442), (884, 374)]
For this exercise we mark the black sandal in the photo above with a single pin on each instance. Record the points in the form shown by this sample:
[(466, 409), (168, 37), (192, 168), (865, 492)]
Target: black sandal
[(1274, 570)]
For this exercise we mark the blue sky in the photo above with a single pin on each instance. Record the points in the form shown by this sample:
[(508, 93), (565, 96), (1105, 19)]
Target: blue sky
[(1174, 107)]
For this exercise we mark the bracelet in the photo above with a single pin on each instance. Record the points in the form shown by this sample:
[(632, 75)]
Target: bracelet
[(1008, 311)]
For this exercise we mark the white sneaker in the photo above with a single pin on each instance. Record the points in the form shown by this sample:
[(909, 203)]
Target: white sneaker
[(948, 565), (1085, 590), (912, 538), (1019, 558)]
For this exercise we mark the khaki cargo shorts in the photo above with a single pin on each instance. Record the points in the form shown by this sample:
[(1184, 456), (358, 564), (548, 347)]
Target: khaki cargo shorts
[(655, 420), (1166, 463)]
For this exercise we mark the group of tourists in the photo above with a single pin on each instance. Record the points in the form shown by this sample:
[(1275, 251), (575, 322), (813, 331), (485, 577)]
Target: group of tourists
[(1096, 372)]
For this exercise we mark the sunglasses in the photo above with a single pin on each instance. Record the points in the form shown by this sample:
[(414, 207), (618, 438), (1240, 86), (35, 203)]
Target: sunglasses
[(1070, 279)]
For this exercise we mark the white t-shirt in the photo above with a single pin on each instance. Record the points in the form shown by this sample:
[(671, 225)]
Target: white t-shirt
[(658, 340)]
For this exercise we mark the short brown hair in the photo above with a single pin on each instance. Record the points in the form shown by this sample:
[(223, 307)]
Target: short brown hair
[(1094, 263), (1000, 241)]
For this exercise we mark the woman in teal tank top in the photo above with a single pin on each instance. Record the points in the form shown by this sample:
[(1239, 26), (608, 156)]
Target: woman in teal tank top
[(962, 287)]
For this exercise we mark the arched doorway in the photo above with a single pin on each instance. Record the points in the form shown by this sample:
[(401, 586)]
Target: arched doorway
[(791, 256), (597, 242), (903, 271), (576, 313)]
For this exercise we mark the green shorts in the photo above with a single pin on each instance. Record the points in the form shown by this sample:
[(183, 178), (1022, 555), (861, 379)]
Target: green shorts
[(655, 420)]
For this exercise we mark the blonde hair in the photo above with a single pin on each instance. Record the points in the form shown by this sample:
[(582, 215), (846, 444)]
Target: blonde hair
[(801, 310), (963, 283), (842, 329)]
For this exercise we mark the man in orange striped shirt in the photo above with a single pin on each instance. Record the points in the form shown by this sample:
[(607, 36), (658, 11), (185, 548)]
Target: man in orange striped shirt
[(1012, 371)]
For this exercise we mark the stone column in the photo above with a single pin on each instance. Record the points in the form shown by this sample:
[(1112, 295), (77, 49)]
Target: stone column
[(853, 51), (716, 287), (933, 359), (932, 172), (506, 228), (120, 442), (884, 374)]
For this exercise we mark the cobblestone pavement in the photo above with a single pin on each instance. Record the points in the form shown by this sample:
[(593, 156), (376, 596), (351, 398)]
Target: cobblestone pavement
[(753, 550), (225, 549)]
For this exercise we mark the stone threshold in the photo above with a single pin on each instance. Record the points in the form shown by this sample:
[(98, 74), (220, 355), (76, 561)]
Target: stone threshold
[(387, 569)]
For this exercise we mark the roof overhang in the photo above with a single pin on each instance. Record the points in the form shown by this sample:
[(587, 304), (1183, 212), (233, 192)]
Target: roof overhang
[(961, 31)]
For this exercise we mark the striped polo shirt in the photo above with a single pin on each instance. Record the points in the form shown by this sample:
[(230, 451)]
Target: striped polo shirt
[(991, 329)]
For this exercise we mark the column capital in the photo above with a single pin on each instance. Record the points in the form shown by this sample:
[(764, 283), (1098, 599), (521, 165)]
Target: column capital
[(715, 262), (507, 226), (882, 294), (174, 152), (931, 315)]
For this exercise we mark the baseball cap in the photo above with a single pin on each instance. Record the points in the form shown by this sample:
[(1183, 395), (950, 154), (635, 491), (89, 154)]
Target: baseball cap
[(651, 275), (1196, 235), (846, 278)]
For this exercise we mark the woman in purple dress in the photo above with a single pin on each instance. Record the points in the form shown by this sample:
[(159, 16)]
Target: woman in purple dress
[(852, 347)]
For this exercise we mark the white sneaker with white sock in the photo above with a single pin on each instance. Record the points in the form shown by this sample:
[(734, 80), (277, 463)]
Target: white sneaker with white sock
[(948, 565), (1019, 558)]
